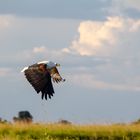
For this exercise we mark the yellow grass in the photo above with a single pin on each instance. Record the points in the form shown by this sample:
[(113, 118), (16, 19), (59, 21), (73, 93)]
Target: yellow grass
[(22, 131)]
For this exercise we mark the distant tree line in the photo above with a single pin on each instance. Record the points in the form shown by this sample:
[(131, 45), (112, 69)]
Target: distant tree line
[(26, 117)]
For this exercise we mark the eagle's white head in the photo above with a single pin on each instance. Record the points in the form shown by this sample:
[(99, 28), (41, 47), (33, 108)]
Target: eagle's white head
[(49, 64)]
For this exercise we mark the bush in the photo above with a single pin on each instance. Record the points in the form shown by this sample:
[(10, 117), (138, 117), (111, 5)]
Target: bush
[(23, 116)]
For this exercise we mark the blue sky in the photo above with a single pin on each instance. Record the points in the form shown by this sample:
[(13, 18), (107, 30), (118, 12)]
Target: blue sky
[(96, 43)]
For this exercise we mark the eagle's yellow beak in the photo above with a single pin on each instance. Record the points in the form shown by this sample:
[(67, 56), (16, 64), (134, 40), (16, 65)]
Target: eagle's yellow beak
[(58, 65)]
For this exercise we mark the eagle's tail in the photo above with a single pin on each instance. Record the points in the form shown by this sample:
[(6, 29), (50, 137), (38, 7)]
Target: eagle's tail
[(48, 91)]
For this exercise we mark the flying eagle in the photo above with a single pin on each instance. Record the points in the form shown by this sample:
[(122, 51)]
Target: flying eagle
[(39, 76)]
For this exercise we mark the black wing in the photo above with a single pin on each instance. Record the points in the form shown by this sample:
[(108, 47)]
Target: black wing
[(40, 79)]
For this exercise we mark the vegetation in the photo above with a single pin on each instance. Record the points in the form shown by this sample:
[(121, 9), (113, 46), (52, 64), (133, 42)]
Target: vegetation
[(23, 128), (23, 116), (57, 131)]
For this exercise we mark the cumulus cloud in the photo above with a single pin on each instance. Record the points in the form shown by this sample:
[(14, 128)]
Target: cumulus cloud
[(101, 37), (116, 39)]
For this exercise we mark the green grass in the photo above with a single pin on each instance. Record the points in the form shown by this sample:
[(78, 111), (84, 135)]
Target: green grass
[(68, 132)]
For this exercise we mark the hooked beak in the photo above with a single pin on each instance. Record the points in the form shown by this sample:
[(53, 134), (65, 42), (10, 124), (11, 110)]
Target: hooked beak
[(58, 65)]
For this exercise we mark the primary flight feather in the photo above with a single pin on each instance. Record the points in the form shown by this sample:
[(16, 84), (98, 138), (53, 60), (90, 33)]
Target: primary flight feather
[(39, 76)]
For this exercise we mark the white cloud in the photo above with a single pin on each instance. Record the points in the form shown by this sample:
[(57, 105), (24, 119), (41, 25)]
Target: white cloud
[(6, 21), (39, 53), (45, 51), (41, 49), (115, 35), (101, 37)]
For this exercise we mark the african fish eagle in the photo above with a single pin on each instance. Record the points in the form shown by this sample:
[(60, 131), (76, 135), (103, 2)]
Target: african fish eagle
[(39, 76)]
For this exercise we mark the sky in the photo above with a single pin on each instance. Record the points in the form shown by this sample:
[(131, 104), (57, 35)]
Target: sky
[(96, 43)]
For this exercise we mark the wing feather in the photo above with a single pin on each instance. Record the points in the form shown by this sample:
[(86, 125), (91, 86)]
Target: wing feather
[(40, 79)]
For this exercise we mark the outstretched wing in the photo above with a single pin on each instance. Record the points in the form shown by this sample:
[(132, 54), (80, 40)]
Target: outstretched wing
[(55, 75), (40, 79)]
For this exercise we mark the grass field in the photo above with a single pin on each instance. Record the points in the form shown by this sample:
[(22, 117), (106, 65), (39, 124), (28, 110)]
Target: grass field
[(24, 131)]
